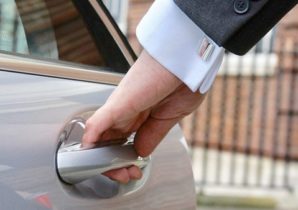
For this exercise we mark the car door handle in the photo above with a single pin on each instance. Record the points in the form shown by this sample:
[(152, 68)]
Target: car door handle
[(76, 163)]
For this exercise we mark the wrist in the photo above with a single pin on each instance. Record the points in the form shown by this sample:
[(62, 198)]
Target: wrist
[(146, 83)]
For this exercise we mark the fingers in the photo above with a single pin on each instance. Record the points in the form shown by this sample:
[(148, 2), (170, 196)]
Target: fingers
[(96, 125), (120, 175), (179, 104), (135, 173), (164, 116), (151, 133), (124, 175), (112, 134)]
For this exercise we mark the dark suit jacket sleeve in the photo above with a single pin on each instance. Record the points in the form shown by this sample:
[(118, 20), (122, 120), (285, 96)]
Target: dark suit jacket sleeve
[(235, 32)]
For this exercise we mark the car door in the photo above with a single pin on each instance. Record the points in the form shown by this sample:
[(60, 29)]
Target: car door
[(59, 61)]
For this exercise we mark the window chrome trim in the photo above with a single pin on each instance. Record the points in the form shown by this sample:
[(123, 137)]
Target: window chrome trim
[(63, 70), (119, 10), (105, 19)]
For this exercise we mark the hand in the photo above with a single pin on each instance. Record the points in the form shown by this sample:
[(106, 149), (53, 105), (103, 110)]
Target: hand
[(149, 101)]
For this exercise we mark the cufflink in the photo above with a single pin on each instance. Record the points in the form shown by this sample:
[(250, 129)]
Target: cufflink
[(206, 49)]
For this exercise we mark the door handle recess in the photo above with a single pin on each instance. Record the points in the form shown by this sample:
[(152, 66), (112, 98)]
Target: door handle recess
[(76, 163)]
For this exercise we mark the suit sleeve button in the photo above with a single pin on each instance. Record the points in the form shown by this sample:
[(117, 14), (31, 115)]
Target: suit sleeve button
[(241, 6)]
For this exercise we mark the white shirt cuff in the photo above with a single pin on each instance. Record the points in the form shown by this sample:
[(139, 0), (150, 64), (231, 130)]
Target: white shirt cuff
[(177, 43)]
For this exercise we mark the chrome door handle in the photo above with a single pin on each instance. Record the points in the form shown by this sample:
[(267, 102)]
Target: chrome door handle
[(76, 164)]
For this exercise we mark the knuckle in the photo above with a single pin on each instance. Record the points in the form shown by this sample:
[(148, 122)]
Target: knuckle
[(89, 124), (143, 152)]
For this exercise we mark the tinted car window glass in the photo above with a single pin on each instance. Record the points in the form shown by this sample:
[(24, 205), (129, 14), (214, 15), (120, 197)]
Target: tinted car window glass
[(55, 29)]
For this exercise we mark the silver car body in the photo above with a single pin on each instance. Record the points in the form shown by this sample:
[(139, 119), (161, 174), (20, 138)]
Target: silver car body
[(37, 99)]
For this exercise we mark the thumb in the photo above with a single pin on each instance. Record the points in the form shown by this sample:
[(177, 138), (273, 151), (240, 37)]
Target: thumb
[(96, 125), (151, 133)]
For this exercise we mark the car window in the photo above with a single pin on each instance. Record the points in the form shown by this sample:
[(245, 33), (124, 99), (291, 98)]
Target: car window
[(55, 29)]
